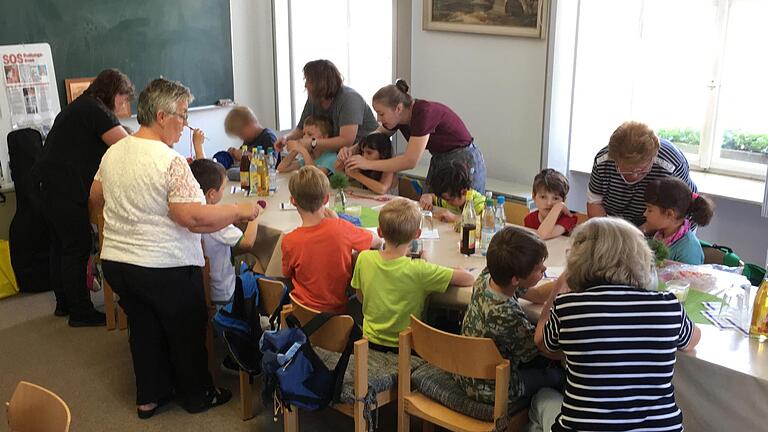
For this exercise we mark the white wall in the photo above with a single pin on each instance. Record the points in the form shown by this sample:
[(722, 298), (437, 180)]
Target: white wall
[(736, 224), (495, 83)]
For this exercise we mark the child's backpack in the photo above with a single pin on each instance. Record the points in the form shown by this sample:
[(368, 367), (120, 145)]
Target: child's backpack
[(293, 372), (240, 324)]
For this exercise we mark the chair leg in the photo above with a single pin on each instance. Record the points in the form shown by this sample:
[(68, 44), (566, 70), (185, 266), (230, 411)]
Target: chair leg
[(403, 419), (291, 419), (427, 426), (109, 306), (360, 424), (246, 394), (122, 318)]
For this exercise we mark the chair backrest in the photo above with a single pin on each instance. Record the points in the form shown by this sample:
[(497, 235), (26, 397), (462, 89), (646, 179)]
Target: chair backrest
[(462, 355), (333, 335), (35, 409), (581, 218), (406, 189), (515, 212), (271, 294)]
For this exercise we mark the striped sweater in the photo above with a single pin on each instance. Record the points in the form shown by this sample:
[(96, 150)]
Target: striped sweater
[(619, 343)]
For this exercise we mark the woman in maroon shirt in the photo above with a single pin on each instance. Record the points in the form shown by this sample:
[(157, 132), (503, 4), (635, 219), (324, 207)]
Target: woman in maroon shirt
[(426, 125)]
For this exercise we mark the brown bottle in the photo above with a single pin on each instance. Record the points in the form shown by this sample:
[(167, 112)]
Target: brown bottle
[(245, 165)]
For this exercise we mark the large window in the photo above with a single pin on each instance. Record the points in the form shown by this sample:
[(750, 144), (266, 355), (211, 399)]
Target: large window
[(694, 70), (355, 35)]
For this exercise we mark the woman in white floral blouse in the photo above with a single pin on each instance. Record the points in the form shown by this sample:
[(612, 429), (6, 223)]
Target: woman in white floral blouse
[(154, 211)]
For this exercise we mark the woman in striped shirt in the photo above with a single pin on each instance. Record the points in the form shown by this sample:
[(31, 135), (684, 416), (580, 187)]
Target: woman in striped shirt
[(617, 334), (633, 158)]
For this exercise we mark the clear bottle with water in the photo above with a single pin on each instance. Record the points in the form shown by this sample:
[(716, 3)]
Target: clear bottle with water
[(501, 217), (272, 165), (489, 224)]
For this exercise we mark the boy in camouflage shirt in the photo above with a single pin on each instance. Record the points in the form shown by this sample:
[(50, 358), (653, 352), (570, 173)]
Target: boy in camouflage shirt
[(515, 264)]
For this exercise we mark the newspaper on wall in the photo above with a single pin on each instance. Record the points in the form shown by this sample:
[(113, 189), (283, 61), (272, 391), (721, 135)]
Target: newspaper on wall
[(28, 86)]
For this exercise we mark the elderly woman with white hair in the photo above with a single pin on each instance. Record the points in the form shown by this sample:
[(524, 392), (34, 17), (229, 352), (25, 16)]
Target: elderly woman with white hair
[(617, 333), (152, 255)]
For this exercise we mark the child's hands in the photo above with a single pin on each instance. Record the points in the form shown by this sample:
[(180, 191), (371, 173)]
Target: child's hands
[(345, 153), (357, 162), (447, 216), (426, 201), (561, 208), (328, 213), (198, 136), (280, 143), (293, 145), (352, 172), (236, 154)]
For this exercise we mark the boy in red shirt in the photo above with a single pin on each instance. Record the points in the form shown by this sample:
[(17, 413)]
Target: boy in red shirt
[(317, 256), (551, 217)]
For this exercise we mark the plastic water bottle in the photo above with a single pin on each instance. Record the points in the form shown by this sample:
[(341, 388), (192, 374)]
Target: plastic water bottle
[(271, 164), (489, 225), (501, 217)]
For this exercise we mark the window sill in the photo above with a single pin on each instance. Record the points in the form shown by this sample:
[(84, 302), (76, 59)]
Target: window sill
[(744, 190)]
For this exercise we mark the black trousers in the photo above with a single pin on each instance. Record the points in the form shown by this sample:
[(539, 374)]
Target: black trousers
[(167, 322), (66, 213)]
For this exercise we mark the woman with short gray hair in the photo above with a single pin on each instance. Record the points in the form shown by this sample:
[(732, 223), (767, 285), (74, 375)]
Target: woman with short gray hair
[(617, 333), (152, 256)]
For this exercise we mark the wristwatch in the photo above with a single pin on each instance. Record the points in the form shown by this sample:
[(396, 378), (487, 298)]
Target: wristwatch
[(314, 144)]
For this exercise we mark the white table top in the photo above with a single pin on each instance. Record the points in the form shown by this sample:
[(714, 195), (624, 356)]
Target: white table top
[(726, 348)]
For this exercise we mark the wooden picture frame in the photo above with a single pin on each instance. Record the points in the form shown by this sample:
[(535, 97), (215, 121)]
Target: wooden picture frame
[(76, 86), (524, 18)]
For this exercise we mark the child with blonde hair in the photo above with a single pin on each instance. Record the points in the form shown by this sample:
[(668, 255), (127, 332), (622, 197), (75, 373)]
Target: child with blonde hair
[(390, 284), (317, 256)]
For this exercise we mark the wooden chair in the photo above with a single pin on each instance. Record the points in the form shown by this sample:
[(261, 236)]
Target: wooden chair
[(406, 189), (461, 355), (116, 317), (581, 218), (333, 337), (35, 409), (516, 212), (270, 296)]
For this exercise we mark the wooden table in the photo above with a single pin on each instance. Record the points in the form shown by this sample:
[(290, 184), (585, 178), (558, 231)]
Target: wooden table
[(721, 386)]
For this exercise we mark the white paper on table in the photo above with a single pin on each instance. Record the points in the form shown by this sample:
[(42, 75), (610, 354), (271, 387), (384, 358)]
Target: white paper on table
[(429, 234), (554, 271)]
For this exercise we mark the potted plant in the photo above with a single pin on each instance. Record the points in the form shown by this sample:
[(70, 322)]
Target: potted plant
[(339, 181)]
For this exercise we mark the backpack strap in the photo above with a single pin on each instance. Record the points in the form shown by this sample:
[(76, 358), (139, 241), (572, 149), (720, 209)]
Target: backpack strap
[(341, 366), (274, 322)]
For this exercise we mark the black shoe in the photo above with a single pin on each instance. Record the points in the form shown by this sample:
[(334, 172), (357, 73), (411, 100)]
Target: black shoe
[(145, 414), (230, 367), (61, 310), (214, 397), (93, 318)]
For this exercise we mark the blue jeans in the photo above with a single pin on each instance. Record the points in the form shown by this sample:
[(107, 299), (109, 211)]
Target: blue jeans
[(469, 156)]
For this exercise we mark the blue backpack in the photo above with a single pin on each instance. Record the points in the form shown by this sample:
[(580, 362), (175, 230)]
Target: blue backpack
[(293, 372), (239, 322)]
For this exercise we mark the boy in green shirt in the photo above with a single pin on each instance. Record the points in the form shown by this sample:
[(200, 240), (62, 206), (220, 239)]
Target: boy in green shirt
[(449, 191), (391, 285)]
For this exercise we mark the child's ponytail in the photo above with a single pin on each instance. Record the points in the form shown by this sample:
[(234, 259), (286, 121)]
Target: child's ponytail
[(701, 209)]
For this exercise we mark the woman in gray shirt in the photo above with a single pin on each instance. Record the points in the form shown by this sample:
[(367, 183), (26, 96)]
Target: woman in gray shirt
[(351, 118)]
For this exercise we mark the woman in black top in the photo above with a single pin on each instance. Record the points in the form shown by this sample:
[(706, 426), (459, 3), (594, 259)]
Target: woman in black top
[(71, 155)]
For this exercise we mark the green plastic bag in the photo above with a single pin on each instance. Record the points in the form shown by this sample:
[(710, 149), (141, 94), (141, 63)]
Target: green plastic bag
[(8, 285)]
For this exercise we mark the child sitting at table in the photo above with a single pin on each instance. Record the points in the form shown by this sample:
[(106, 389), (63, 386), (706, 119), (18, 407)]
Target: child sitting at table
[(317, 256), (669, 207), (618, 335), (515, 265), (374, 146), (391, 285), (315, 127), (449, 191), (551, 217), (243, 123), (218, 246)]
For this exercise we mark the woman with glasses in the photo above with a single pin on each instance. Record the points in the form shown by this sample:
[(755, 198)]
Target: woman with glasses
[(634, 157), (73, 149), (327, 96), (152, 256)]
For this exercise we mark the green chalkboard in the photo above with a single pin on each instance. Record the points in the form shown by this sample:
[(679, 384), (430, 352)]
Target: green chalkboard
[(185, 40)]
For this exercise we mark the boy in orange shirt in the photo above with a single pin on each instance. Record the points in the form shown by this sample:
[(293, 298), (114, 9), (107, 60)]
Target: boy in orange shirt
[(317, 256)]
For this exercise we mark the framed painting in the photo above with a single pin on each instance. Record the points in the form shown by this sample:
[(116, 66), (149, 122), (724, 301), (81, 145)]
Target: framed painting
[(76, 87), (527, 18)]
